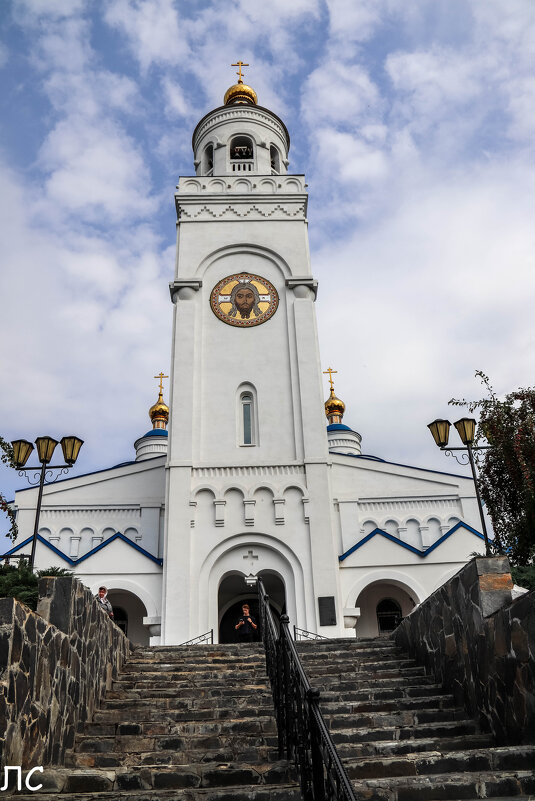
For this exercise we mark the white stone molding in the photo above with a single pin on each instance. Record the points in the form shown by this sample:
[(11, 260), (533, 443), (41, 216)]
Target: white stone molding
[(276, 184), (118, 582), (307, 282), (404, 581), (249, 511), (306, 513), (255, 211), (279, 511), (247, 471), (370, 505), (193, 507), (240, 113), (184, 288), (219, 508)]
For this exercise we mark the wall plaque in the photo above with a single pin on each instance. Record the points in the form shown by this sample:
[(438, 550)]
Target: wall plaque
[(244, 300)]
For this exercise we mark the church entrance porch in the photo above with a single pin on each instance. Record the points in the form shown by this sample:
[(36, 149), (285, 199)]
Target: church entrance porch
[(234, 592), (383, 605), (129, 611)]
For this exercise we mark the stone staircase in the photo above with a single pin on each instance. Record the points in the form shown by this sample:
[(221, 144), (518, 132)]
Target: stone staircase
[(195, 724), (400, 736)]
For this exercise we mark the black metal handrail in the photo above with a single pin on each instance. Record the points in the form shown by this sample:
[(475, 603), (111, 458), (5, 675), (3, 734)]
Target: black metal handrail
[(203, 639), (303, 634), (303, 733)]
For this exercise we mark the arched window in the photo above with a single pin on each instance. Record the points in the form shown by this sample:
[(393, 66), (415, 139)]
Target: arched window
[(247, 408), (208, 160), (274, 157), (388, 615), (241, 154)]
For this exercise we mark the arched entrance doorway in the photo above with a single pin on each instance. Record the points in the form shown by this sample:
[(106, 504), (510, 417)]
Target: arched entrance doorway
[(233, 592), (383, 604), (129, 612)]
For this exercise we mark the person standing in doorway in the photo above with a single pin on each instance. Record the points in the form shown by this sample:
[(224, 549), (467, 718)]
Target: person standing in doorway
[(246, 625), (103, 601)]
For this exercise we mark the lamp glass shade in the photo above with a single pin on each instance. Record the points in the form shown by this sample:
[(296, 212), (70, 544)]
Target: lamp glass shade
[(21, 451), (466, 427), (440, 430), (45, 448), (71, 448)]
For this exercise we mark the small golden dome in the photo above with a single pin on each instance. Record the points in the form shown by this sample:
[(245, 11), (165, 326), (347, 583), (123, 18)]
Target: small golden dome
[(159, 412), (240, 93), (334, 405)]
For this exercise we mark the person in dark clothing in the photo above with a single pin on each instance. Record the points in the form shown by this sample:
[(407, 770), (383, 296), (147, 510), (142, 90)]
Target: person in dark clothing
[(103, 601), (246, 626)]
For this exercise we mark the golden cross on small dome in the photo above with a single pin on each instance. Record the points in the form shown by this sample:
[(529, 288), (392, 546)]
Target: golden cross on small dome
[(161, 376), (239, 64), (331, 373)]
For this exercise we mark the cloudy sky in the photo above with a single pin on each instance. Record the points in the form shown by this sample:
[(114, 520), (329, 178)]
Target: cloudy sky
[(414, 122)]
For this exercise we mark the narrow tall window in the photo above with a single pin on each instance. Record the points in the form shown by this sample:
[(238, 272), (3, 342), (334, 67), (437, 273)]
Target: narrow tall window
[(247, 413)]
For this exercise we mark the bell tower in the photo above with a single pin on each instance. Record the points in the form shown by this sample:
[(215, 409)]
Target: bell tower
[(248, 462)]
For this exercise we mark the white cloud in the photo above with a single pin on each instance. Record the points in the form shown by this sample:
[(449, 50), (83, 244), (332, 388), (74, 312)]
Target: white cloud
[(176, 104), (151, 28), (354, 20), (338, 93), (96, 171)]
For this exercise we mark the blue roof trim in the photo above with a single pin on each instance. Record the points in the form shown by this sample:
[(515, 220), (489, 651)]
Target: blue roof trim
[(399, 464), (406, 545), (338, 427), (156, 432), (74, 562)]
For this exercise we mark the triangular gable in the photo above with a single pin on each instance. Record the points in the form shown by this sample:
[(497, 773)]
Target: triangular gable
[(406, 545), (74, 562)]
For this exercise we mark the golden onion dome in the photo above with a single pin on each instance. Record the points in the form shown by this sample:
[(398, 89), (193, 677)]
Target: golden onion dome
[(160, 410), (240, 93), (334, 405)]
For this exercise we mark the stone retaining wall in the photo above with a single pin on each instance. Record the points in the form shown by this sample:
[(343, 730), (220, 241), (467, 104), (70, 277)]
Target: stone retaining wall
[(55, 666), (481, 645)]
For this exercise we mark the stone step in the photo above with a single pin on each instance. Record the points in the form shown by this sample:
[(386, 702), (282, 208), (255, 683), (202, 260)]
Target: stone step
[(223, 694), (161, 679), (252, 750), (382, 705), (394, 692), (399, 718), (184, 730), (283, 792), (238, 776), (113, 722), (354, 750), (342, 684), (432, 763), (381, 669), (447, 787), (457, 728), (191, 680)]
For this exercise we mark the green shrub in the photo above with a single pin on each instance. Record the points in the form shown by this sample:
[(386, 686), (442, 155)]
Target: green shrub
[(18, 581)]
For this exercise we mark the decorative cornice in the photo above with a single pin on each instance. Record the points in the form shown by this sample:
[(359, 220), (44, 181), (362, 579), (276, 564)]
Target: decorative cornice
[(232, 211), (240, 472), (240, 184), (240, 112)]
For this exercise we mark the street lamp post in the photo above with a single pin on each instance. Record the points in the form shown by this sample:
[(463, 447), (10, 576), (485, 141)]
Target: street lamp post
[(466, 428), (45, 450)]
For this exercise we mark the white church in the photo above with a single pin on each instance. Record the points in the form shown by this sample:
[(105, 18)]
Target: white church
[(248, 471)]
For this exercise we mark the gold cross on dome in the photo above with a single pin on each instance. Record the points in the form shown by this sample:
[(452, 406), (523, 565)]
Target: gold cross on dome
[(161, 376), (239, 64), (331, 373)]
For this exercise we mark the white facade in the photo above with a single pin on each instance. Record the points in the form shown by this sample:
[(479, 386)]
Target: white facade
[(249, 479)]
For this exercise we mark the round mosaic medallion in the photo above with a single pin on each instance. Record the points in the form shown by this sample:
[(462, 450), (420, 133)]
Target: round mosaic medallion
[(244, 299)]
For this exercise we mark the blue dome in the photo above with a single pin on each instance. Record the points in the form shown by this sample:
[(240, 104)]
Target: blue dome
[(338, 427), (156, 432)]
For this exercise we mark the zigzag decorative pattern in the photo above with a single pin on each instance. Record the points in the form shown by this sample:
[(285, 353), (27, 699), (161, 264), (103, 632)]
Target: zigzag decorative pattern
[(232, 210)]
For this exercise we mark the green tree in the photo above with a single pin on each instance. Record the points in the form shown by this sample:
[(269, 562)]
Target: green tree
[(20, 582), (507, 468), (6, 455)]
